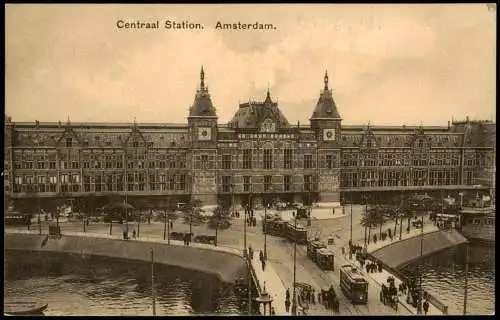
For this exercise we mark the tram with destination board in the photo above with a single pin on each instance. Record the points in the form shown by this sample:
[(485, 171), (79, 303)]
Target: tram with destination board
[(353, 284)]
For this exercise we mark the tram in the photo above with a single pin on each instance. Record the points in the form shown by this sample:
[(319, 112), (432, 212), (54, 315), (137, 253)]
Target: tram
[(325, 259), (296, 233), (17, 219), (274, 226), (353, 284), (312, 247)]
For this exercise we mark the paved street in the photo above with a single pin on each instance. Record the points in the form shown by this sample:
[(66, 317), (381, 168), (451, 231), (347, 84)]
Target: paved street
[(280, 253)]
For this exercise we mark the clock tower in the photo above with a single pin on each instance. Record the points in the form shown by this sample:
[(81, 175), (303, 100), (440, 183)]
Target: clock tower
[(326, 124), (202, 122)]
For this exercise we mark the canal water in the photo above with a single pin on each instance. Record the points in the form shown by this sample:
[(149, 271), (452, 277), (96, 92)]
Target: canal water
[(75, 285), (443, 275)]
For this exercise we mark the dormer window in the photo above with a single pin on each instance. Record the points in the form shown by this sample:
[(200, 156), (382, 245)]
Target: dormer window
[(69, 142)]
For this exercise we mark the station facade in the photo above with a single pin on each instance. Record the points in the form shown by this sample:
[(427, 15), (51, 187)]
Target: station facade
[(258, 155)]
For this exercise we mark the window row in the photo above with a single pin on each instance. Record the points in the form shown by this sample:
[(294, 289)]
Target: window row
[(309, 183), (98, 183), (356, 179)]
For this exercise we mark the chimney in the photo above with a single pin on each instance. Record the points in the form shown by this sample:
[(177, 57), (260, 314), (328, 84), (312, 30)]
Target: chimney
[(449, 125)]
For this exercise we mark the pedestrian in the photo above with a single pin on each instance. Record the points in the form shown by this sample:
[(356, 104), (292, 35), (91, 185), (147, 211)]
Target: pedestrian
[(313, 295), (263, 264), (273, 313), (250, 252), (287, 294), (261, 255), (171, 225), (426, 307), (133, 234), (375, 238), (287, 305), (319, 297), (368, 268)]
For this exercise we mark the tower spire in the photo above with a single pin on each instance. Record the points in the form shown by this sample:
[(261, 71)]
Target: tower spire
[(202, 78), (326, 80), (268, 96)]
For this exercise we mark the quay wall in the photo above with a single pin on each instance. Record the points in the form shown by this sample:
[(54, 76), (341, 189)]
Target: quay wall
[(399, 254), (225, 265)]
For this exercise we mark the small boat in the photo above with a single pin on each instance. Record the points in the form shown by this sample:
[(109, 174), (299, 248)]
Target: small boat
[(38, 311)]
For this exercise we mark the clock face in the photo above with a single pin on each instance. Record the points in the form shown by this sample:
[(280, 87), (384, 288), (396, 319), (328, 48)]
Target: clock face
[(329, 134), (204, 133)]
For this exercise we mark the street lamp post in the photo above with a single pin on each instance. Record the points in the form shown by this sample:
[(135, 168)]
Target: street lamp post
[(265, 232), (421, 295), (191, 221), (350, 233), (294, 297), (466, 277)]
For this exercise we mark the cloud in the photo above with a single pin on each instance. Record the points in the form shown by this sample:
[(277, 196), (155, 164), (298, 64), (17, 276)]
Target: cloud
[(387, 64)]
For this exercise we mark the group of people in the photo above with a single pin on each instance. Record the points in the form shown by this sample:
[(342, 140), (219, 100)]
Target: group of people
[(329, 299), (372, 267), (307, 295), (235, 214), (187, 238), (251, 221)]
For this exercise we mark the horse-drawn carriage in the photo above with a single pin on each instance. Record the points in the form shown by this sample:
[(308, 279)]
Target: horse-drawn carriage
[(389, 294), (329, 299)]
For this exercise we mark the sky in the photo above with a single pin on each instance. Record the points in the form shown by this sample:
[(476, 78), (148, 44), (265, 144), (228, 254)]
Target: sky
[(387, 64)]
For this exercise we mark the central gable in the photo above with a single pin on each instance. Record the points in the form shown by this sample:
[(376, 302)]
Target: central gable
[(264, 116)]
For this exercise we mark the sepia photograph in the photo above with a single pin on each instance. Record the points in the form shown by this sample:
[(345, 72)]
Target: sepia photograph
[(249, 159)]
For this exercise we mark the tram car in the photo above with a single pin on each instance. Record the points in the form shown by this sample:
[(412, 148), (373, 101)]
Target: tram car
[(17, 219), (296, 233), (312, 247), (274, 226), (325, 259), (353, 284)]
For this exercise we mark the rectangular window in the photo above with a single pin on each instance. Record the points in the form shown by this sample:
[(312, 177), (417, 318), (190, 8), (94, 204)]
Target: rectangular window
[(98, 183), (287, 183), (171, 182), (468, 177), (226, 184), (330, 161), (307, 183), (226, 161), (171, 161), (182, 182), (246, 184), (247, 159), (288, 158), (69, 142), (268, 159), (308, 159), (204, 161), (267, 183)]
